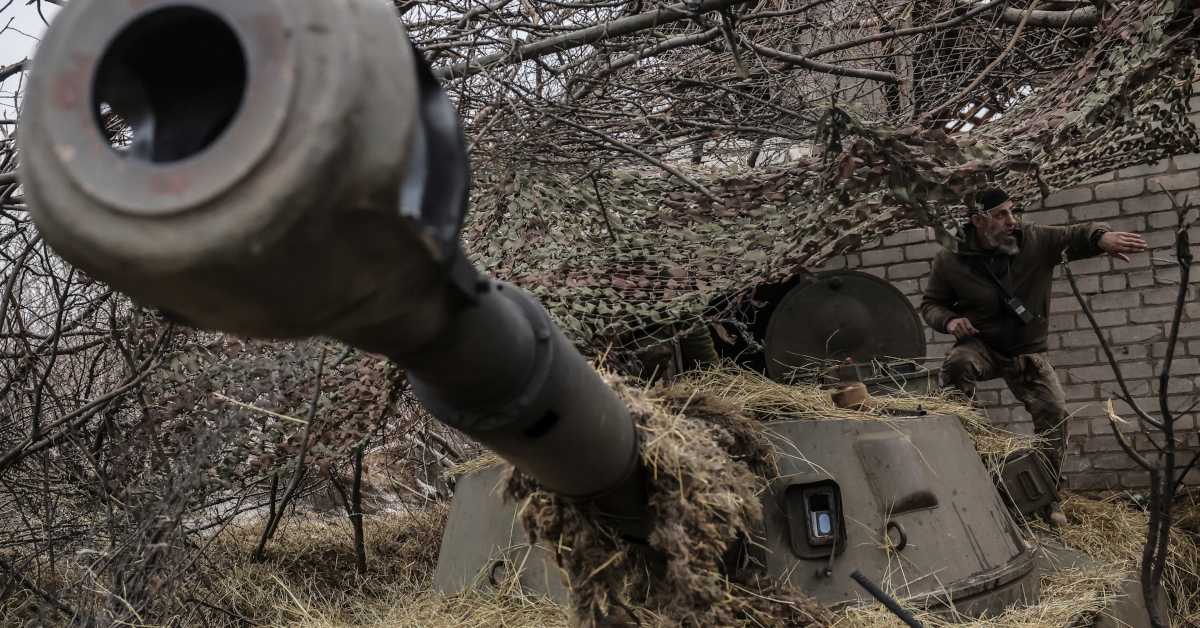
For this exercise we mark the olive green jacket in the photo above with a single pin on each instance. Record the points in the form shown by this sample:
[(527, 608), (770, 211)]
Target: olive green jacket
[(960, 286)]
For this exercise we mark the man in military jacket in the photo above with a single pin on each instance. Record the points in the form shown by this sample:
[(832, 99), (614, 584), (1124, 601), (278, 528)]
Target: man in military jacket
[(993, 295)]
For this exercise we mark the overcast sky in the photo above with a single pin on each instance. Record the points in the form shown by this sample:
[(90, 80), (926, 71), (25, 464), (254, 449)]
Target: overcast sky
[(21, 31)]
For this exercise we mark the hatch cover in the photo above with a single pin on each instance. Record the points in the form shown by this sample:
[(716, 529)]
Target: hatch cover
[(841, 315)]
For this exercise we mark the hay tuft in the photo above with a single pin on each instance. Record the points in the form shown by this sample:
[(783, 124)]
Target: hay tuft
[(486, 460), (1112, 531), (701, 456), (767, 400)]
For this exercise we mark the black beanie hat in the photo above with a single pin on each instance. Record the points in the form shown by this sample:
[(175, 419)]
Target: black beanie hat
[(987, 200)]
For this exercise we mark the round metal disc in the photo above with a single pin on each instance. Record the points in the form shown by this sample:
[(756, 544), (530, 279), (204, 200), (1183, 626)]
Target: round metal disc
[(842, 315)]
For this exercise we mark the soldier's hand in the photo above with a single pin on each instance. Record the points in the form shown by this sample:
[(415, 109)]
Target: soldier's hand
[(1120, 244), (961, 327)]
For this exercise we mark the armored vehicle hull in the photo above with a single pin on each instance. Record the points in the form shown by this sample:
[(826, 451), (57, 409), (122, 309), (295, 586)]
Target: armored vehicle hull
[(912, 507), (907, 502)]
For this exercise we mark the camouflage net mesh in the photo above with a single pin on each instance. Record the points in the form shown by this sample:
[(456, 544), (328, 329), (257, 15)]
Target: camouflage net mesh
[(1125, 102), (627, 258), (708, 462), (648, 256)]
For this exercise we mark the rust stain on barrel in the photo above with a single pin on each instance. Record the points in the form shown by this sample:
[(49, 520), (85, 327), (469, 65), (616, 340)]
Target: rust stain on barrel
[(71, 84), (169, 183), (269, 31)]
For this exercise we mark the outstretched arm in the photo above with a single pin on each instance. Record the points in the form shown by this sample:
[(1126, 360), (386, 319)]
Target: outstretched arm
[(1087, 240), (1121, 244)]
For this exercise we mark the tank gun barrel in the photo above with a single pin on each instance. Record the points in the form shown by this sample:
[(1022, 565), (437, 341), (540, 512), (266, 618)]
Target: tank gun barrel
[(289, 168)]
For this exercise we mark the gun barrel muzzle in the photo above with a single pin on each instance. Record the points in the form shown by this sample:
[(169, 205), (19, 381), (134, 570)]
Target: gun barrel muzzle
[(170, 146), (291, 168)]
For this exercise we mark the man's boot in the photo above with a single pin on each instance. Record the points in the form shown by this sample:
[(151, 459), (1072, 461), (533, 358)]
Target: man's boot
[(1054, 515)]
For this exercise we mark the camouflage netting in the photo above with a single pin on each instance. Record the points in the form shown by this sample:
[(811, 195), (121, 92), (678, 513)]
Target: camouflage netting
[(263, 392), (709, 464), (1126, 102), (625, 258), (619, 267)]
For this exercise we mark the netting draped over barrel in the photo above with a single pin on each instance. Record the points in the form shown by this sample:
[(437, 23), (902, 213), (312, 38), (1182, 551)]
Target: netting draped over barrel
[(625, 256)]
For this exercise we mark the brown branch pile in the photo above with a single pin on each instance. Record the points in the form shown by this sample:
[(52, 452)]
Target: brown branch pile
[(584, 84)]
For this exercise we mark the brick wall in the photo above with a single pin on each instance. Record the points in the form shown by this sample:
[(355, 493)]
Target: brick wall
[(1133, 302)]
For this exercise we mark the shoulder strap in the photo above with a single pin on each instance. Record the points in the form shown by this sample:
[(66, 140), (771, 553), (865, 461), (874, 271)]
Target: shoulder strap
[(982, 267)]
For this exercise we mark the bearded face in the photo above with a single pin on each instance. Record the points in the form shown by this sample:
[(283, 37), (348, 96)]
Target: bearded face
[(996, 230)]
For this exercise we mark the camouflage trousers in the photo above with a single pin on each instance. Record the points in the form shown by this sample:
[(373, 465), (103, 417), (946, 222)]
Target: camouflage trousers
[(1031, 380)]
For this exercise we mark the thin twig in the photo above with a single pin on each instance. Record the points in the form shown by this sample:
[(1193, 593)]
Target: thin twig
[(298, 473)]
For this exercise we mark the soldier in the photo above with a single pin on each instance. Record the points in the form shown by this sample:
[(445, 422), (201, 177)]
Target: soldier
[(993, 296)]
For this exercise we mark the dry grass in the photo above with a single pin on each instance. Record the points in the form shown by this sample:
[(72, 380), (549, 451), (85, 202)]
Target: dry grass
[(768, 400), (309, 580), (760, 397), (486, 460), (1067, 596), (1109, 532)]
